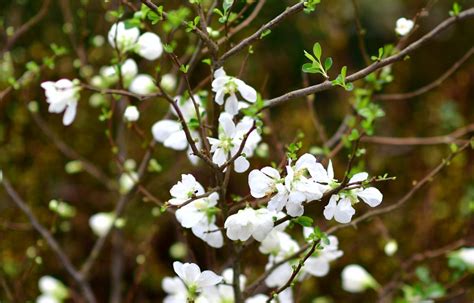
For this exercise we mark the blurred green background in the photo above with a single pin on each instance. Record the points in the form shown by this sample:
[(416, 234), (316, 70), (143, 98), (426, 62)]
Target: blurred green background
[(437, 215)]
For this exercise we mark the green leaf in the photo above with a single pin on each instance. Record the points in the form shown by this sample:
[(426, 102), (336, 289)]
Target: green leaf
[(265, 33), (227, 4), (328, 63), (310, 68), (304, 221), (317, 50)]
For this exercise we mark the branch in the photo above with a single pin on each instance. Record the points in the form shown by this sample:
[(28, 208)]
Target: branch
[(449, 138), (430, 86), (27, 26), (271, 24), (326, 85), (64, 259)]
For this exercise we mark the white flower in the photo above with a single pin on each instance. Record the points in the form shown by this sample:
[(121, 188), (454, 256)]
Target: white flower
[(100, 223), (62, 96), (303, 182), (168, 82), (223, 292), (170, 132), (149, 46), (249, 222), (230, 139), (122, 38), (193, 278), (177, 291), (142, 85), (127, 181), (185, 189), (109, 75), (129, 69), (404, 26), (371, 196), (226, 85), (318, 265), (278, 243), (356, 279), (467, 256), (342, 211), (131, 113), (199, 215), (52, 288)]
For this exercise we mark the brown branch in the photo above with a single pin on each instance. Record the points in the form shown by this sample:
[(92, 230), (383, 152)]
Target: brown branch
[(326, 85), (53, 244), (449, 138), (27, 26), (360, 34), (268, 26), (430, 86)]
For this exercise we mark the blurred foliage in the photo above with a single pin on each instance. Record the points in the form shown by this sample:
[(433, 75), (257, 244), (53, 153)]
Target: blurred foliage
[(437, 215)]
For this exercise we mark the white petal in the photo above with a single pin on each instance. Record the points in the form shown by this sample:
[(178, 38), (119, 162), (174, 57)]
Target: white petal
[(232, 105), (247, 92), (241, 164), (177, 141), (70, 113), (208, 278), (359, 177), (372, 196), (163, 129)]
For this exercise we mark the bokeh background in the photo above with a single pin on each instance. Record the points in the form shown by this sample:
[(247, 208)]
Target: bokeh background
[(437, 215)]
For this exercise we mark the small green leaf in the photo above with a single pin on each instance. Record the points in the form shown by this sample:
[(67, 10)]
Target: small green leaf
[(317, 50), (304, 221), (265, 33), (328, 63)]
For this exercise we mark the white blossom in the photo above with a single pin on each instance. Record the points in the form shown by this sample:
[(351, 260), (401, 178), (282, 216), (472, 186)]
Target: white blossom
[(100, 223), (52, 290), (168, 82), (226, 85), (356, 279), (194, 281), (341, 210), (149, 46), (122, 38), (185, 189), (127, 181), (306, 180), (249, 222), (142, 84), (199, 215), (231, 137), (170, 132), (176, 290), (318, 264), (404, 26), (62, 95), (223, 292), (131, 113)]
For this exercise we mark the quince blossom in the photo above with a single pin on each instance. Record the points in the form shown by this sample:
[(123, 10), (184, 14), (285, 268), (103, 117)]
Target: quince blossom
[(226, 85), (148, 45), (340, 205), (404, 26), (62, 95), (249, 222), (185, 189), (199, 215), (190, 284), (231, 137), (52, 290), (306, 180), (142, 84)]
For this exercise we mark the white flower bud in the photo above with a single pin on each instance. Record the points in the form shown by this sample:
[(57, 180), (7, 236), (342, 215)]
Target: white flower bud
[(356, 279), (149, 46), (391, 248), (168, 82), (467, 256), (131, 114), (100, 223), (52, 287), (142, 85), (122, 38)]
